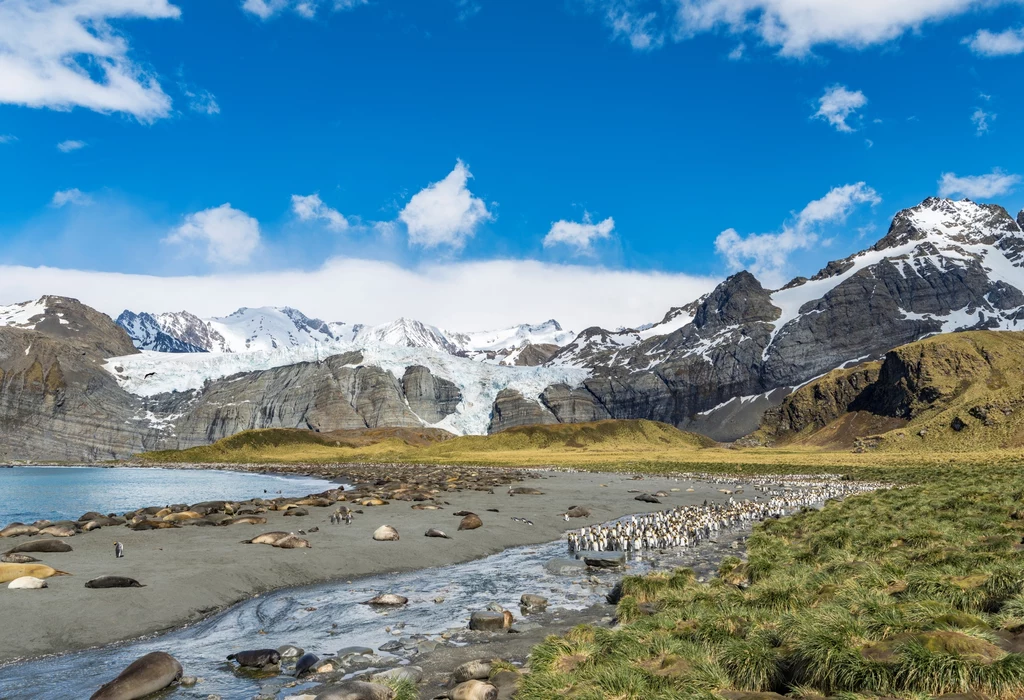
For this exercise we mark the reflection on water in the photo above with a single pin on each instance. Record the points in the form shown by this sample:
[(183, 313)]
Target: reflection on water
[(66, 493), (326, 618)]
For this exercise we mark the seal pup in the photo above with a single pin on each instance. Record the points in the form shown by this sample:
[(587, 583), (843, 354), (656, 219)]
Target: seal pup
[(385, 533), (357, 690), (113, 582), (434, 532), (145, 676), (387, 599), (27, 583), (270, 538), (293, 542), (306, 663), (256, 658), (118, 550), (17, 559)]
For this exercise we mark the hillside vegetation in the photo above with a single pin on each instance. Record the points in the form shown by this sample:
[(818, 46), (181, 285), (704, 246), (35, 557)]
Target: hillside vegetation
[(959, 392)]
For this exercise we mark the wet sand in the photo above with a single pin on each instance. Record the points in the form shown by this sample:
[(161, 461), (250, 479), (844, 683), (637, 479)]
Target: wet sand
[(191, 572)]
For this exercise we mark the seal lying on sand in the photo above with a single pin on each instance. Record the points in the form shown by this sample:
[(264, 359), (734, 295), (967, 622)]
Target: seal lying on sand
[(471, 522), (434, 532), (17, 558), (48, 546), (256, 658), (270, 538), (18, 529), (27, 583), (9, 572), (113, 582), (385, 533), (145, 676)]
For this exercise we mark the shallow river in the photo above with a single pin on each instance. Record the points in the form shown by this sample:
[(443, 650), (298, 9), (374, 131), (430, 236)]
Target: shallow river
[(28, 494), (339, 620)]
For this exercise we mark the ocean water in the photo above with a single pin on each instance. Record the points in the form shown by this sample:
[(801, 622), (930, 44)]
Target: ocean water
[(28, 494)]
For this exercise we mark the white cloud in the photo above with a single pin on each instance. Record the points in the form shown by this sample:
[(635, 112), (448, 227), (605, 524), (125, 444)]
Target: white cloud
[(993, 184), (1006, 43), (981, 120), (312, 208), (794, 27), (838, 104), (580, 236), (62, 54), (578, 296), (229, 236), (8, 138), (202, 101), (638, 30), (72, 196), (445, 213), (766, 255), (70, 145), (265, 9)]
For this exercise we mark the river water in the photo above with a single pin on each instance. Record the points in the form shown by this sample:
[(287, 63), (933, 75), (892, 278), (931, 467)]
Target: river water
[(329, 617), (28, 494)]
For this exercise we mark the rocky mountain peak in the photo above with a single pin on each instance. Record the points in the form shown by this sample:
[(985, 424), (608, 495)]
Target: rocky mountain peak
[(69, 319), (1020, 219), (738, 300), (963, 222)]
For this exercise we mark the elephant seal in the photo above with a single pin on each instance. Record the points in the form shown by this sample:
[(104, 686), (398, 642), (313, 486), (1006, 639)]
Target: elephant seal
[(182, 516), (371, 502), (47, 546), (306, 663), (646, 498), (145, 676), (385, 533), (388, 599), (256, 658), (18, 529), (154, 525), (245, 520), (297, 512), (27, 583), (91, 515), (525, 491), (578, 512), (17, 559), (91, 525), (434, 532), (113, 582), (463, 513), (471, 522), (270, 538), (357, 690), (293, 542), (9, 572), (476, 670), (473, 690), (426, 506), (59, 531), (314, 501)]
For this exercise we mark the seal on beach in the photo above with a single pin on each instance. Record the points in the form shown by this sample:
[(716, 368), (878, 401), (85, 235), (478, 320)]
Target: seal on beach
[(9, 572), (47, 546), (27, 583), (578, 512), (59, 531), (646, 498), (245, 520), (270, 538), (388, 599), (18, 529), (293, 542), (113, 582), (307, 662), (473, 690), (145, 676), (385, 533), (256, 658), (154, 525), (425, 506), (434, 532), (357, 690), (471, 522), (17, 559)]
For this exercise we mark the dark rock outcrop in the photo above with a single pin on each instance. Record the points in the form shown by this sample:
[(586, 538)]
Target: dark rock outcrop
[(430, 397), (512, 409)]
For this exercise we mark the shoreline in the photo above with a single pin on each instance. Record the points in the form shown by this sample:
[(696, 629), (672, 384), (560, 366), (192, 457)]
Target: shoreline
[(195, 572)]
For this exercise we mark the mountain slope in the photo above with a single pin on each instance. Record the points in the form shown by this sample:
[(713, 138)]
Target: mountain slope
[(954, 392)]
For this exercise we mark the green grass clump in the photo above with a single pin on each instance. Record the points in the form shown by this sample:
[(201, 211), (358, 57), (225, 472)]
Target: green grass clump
[(910, 593)]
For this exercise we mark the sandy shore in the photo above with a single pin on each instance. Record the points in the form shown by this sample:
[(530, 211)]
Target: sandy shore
[(191, 572)]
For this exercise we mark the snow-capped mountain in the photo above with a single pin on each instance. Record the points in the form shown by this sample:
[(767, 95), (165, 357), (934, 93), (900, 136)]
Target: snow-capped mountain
[(146, 334), (547, 333), (407, 333)]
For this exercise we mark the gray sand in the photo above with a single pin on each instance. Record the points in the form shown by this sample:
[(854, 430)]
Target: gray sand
[(194, 571)]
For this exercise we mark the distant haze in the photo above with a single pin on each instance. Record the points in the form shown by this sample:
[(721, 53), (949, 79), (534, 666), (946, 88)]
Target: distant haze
[(458, 296)]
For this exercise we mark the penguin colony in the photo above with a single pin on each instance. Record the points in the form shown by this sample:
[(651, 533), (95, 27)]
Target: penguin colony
[(688, 525)]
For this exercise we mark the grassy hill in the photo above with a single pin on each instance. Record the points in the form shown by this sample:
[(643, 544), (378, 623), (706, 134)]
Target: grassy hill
[(949, 393)]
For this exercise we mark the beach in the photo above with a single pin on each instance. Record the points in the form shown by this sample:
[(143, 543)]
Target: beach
[(192, 572)]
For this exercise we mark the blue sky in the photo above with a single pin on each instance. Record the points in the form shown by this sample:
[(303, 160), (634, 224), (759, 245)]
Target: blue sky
[(591, 140)]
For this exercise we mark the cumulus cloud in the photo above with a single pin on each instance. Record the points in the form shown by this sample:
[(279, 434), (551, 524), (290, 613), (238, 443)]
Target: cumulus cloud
[(580, 236), (577, 295), (838, 104), (1009, 42), (793, 27), (981, 120), (229, 236), (62, 54), (312, 208), (266, 9), (71, 145), (993, 184), (72, 196), (766, 255), (445, 213)]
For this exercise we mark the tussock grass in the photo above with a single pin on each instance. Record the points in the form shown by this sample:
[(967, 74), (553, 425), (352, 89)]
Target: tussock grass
[(915, 592)]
